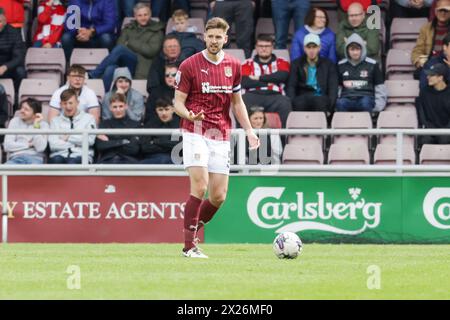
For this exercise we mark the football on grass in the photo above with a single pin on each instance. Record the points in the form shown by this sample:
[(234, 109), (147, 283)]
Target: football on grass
[(287, 245)]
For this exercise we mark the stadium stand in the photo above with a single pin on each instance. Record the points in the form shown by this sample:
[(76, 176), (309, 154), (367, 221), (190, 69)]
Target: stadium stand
[(348, 154), (8, 84), (40, 89), (386, 154), (351, 120), (397, 120), (98, 87), (307, 153), (398, 65), (435, 154)]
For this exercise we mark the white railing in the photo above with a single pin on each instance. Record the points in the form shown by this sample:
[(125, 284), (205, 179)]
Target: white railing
[(241, 168)]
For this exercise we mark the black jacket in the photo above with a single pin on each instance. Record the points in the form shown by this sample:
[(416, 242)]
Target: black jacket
[(433, 108), (159, 144), (126, 146), (156, 75), (327, 78), (190, 44), (12, 48), (161, 92)]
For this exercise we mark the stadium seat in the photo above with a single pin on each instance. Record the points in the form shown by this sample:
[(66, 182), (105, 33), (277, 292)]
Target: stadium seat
[(351, 120), (141, 86), (8, 84), (348, 153), (306, 120), (127, 20), (265, 26), (88, 58), (435, 154), (280, 53), (40, 89), (273, 120), (405, 30), (43, 63), (98, 87), (398, 65), (387, 154), (397, 120), (308, 153), (237, 53), (333, 23), (194, 22), (402, 92)]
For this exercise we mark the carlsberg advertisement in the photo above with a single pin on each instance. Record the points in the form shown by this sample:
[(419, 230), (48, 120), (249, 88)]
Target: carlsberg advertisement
[(334, 209)]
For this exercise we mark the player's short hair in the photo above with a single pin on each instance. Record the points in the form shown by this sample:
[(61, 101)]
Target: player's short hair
[(311, 16), (77, 69), (265, 38), (141, 5), (180, 14), (118, 97), (217, 23), (34, 104), (67, 94), (162, 103)]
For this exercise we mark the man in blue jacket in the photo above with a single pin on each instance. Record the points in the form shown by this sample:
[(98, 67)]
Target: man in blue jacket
[(98, 19)]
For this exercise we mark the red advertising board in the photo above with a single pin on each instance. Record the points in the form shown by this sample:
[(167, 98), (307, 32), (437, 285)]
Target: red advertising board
[(96, 209)]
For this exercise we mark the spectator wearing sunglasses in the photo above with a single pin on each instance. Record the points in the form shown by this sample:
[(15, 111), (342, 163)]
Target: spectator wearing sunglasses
[(165, 91), (431, 37)]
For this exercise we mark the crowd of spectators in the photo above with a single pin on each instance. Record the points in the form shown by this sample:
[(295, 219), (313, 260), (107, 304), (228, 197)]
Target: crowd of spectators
[(328, 71)]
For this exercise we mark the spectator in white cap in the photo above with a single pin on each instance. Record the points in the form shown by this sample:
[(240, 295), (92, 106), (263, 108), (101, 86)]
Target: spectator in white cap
[(313, 81)]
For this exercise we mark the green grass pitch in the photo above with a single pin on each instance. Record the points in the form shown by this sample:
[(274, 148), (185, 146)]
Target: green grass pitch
[(157, 271)]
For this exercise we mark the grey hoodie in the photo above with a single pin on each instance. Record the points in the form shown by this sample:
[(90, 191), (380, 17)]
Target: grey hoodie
[(135, 100), (364, 75)]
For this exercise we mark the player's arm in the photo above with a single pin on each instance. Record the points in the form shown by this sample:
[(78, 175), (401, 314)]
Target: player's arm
[(182, 111), (240, 112)]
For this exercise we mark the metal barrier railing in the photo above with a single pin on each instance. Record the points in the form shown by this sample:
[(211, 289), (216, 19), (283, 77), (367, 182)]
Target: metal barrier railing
[(241, 168)]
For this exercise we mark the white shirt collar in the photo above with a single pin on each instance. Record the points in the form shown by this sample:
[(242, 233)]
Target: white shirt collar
[(221, 56)]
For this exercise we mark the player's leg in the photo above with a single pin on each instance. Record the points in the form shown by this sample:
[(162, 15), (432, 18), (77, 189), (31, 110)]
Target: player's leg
[(218, 168), (217, 192), (195, 158)]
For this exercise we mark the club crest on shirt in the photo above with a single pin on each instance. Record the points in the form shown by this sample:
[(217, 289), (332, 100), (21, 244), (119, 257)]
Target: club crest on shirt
[(228, 72), (364, 74)]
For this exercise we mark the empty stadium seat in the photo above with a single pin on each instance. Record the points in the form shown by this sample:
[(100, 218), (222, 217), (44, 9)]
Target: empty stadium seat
[(141, 86), (398, 65), (306, 120), (401, 92), (351, 120), (273, 120), (397, 120), (308, 153), (39, 89), (265, 26), (435, 154), (405, 30), (348, 153), (88, 58), (98, 87), (198, 23), (8, 84), (237, 53), (387, 154), (43, 63)]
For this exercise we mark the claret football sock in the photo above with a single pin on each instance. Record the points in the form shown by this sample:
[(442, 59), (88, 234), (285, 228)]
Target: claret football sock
[(191, 215), (207, 212)]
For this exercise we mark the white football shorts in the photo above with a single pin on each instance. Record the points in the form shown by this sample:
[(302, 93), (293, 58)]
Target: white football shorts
[(199, 151)]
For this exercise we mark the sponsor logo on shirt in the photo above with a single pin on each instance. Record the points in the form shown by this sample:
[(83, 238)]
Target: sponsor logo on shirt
[(207, 88)]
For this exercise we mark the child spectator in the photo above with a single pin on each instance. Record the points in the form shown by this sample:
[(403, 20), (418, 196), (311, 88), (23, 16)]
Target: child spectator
[(118, 149), (158, 149)]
